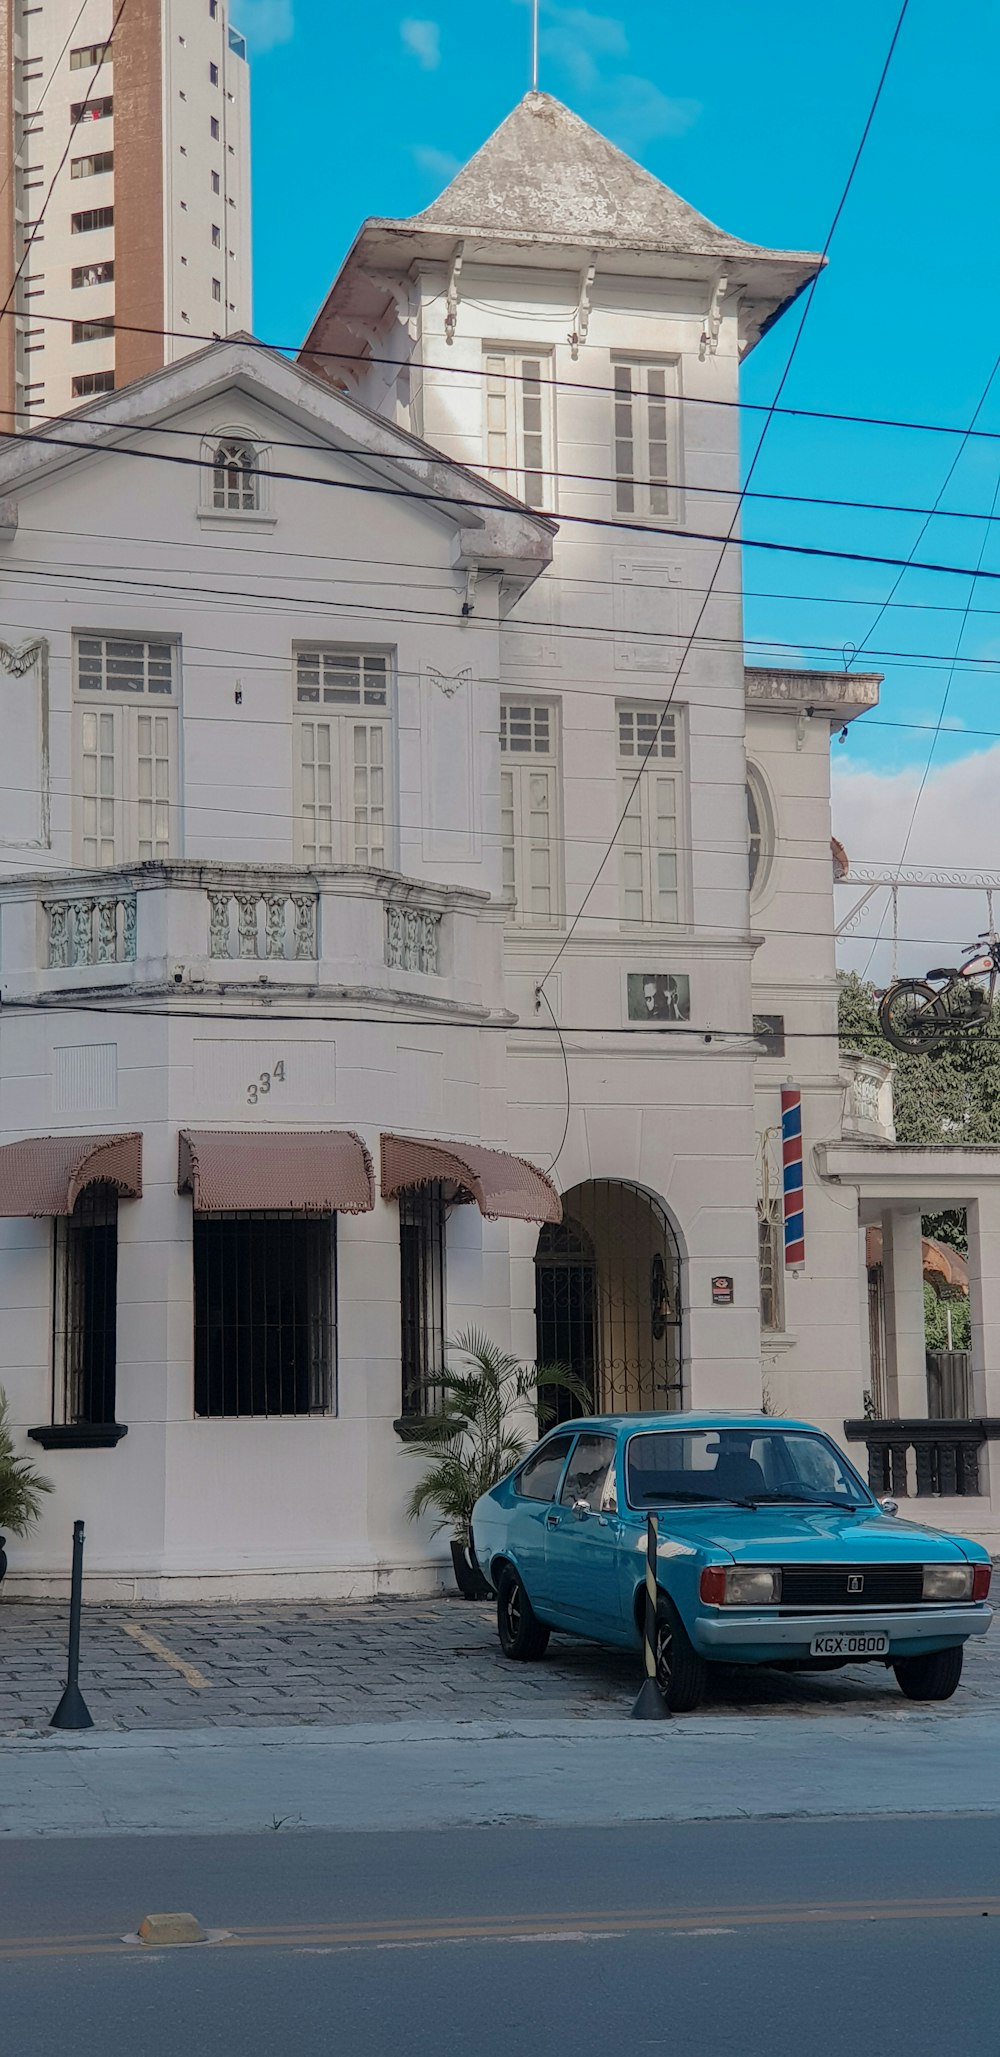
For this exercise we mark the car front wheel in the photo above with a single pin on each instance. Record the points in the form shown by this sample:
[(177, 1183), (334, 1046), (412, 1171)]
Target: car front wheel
[(933, 1677), (680, 1673), (522, 1635)]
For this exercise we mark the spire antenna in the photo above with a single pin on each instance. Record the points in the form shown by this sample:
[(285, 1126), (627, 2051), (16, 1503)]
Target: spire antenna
[(534, 46)]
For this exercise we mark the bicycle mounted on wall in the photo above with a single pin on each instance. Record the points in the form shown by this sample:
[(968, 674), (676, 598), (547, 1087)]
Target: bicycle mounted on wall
[(916, 1016)]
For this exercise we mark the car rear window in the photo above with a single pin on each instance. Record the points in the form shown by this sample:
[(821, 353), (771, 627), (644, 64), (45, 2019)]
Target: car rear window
[(540, 1477)]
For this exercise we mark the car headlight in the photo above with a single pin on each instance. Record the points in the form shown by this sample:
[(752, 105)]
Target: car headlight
[(947, 1581), (740, 1585)]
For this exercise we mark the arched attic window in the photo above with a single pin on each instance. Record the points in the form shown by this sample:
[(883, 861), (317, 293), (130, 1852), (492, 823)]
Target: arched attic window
[(236, 479)]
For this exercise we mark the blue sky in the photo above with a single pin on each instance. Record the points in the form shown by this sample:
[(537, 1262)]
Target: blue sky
[(752, 110)]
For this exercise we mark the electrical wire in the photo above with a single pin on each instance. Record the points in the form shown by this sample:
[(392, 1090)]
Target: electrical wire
[(782, 382)]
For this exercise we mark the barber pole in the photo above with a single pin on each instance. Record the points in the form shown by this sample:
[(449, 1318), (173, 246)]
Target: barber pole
[(791, 1161)]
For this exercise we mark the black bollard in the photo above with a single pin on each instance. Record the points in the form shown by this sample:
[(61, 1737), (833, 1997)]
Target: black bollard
[(72, 1711), (650, 1705)]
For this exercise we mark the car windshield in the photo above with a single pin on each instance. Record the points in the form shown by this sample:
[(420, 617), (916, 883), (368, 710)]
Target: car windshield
[(746, 1467)]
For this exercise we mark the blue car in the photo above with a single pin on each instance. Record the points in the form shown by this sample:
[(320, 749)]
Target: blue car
[(771, 1551)]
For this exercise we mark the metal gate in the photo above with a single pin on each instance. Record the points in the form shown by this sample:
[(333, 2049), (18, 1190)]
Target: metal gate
[(608, 1300)]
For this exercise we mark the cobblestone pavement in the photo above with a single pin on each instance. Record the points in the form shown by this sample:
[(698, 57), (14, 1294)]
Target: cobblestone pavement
[(384, 1660)]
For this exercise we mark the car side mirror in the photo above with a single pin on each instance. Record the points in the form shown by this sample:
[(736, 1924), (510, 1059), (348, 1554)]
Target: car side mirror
[(889, 1506), (580, 1508)]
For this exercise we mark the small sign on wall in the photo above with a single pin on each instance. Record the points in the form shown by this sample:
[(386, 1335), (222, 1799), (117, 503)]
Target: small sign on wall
[(722, 1292)]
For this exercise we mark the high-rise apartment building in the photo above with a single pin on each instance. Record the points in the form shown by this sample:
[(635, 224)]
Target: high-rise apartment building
[(124, 193)]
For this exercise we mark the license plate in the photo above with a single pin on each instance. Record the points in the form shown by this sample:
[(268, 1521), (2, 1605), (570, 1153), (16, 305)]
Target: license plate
[(850, 1643)]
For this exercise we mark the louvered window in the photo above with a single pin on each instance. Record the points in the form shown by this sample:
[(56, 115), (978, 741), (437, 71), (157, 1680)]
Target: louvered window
[(125, 750), (344, 757), (646, 439), (519, 424), (529, 805), (650, 798)]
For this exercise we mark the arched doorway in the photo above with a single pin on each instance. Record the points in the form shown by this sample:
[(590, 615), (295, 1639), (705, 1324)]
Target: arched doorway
[(608, 1298)]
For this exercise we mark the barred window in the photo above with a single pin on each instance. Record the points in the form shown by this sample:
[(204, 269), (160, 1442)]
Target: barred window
[(122, 665), (264, 1313), (422, 1219), (86, 1306)]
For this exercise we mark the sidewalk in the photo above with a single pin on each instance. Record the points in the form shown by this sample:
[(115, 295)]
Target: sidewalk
[(149, 1668)]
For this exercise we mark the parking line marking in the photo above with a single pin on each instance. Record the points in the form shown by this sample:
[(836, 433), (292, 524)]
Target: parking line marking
[(189, 1672)]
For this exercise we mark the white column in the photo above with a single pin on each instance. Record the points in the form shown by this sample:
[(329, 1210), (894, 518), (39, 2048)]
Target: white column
[(983, 1217), (902, 1262)]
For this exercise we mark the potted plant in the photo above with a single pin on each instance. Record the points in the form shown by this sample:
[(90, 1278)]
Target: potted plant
[(476, 1435), (21, 1488)]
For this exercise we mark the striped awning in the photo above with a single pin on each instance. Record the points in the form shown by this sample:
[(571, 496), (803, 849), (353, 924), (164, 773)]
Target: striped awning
[(46, 1174), (504, 1188), (315, 1171)]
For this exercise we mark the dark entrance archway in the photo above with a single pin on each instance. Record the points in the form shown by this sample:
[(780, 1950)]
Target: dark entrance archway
[(608, 1298)]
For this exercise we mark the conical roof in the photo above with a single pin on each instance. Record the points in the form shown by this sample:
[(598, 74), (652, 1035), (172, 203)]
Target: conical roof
[(545, 173)]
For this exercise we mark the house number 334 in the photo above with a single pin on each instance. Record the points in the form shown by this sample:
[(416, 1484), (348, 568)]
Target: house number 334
[(261, 1086)]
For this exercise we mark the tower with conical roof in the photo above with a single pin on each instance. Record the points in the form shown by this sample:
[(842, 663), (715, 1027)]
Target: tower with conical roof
[(563, 322)]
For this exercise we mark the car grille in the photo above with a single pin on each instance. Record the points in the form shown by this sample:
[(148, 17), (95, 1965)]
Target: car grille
[(826, 1585)]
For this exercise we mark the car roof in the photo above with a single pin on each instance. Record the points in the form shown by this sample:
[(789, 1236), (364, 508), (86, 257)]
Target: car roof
[(702, 1418)]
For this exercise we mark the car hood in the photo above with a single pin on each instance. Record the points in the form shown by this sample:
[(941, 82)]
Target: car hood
[(790, 1535)]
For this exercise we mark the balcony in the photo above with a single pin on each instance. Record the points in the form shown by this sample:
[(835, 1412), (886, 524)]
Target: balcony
[(177, 925), (924, 1460), (868, 1110)]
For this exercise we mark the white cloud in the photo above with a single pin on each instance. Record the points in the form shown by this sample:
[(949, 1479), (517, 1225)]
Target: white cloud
[(634, 111), (423, 41), (577, 38), (438, 164), (954, 829), (266, 23)]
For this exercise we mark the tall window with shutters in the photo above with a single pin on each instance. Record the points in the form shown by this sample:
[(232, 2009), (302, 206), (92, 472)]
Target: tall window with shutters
[(647, 439), (125, 749), (651, 796), (518, 402), (529, 806), (344, 756)]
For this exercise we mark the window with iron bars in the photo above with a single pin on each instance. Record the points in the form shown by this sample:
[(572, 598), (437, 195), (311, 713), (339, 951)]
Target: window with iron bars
[(770, 1246), (86, 1308), (422, 1221), (265, 1333)]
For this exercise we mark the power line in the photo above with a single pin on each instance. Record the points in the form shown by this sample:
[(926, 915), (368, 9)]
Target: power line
[(782, 382), (296, 351)]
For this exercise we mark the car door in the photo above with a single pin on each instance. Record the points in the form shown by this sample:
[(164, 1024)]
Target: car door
[(535, 1488), (583, 1576)]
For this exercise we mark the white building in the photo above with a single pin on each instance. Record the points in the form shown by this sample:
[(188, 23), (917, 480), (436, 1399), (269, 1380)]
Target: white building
[(338, 1010), (125, 225)]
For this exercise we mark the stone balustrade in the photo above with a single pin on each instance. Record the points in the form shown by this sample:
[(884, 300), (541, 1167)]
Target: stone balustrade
[(945, 1456), (412, 938), (262, 924), (96, 928)]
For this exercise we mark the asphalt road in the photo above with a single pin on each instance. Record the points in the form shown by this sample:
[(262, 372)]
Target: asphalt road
[(762, 1938)]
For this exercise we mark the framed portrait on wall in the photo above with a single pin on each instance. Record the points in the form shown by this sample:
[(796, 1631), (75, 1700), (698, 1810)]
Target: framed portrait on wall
[(659, 996)]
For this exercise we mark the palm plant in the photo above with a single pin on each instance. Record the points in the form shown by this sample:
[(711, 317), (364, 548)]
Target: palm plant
[(480, 1430), (21, 1486)]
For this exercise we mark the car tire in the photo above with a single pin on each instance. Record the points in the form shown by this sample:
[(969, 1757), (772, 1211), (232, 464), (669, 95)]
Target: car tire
[(681, 1674), (933, 1677), (522, 1636)]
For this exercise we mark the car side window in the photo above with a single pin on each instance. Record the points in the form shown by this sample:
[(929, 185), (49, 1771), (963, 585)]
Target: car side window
[(590, 1475), (540, 1477)]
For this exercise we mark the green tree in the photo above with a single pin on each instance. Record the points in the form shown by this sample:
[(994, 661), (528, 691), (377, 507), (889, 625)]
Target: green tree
[(936, 1320), (951, 1095)]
